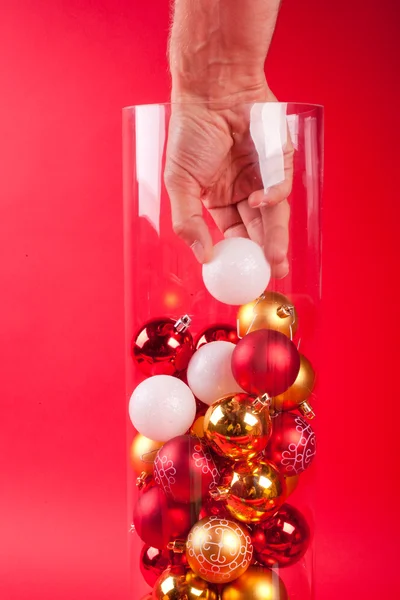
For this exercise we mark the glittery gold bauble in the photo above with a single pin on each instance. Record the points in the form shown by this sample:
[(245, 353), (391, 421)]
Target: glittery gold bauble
[(181, 583), (300, 390), (142, 454), (271, 311), (291, 484), (253, 491), (235, 429), (256, 584), (198, 427), (219, 550)]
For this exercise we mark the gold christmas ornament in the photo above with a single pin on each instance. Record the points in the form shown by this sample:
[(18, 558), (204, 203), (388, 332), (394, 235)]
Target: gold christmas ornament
[(252, 491), (271, 311), (256, 584), (301, 389), (178, 583), (197, 428), (142, 454), (291, 484), (236, 428), (219, 550)]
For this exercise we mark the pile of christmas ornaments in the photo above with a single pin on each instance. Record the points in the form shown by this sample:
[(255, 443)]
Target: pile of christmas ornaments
[(223, 435)]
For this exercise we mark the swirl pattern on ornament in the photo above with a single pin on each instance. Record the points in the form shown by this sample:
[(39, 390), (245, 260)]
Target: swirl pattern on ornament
[(220, 547), (298, 456), (164, 473), (205, 461)]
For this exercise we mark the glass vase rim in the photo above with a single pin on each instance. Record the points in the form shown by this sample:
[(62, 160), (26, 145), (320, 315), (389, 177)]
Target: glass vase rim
[(306, 106)]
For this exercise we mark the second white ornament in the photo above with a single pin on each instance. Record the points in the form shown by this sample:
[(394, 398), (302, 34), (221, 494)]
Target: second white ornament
[(209, 372)]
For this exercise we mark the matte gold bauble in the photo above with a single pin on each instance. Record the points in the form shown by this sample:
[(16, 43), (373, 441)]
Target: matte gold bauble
[(142, 454), (257, 583), (291, 484), (299, 391), (271, 311), (197, 428)]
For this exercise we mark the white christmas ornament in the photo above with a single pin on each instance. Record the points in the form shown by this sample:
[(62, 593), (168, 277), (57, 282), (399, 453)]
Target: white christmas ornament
[(162, 407), (238, 271), (209, 372)]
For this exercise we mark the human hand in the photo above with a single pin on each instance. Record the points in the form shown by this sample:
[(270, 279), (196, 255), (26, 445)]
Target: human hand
[(212, 162)]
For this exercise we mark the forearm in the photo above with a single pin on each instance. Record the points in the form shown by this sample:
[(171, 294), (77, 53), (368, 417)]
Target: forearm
[(219, 46)]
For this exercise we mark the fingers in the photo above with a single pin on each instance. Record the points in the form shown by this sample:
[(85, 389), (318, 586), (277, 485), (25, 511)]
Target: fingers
[(276, 237), (187, 211), (228, 221), (252, 221), (281, 191)]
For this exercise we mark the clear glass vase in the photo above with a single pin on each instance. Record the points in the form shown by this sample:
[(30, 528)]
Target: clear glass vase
[(170, 316)]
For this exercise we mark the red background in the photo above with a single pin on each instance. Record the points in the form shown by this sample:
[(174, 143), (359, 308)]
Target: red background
[(66, 69)]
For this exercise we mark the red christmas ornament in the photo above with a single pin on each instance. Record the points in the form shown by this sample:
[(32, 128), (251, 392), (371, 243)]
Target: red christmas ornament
[(185, 469), (265, 362), (217, 333), (282, 540), (163, 346), (157, 521), (153, 562), (292, 444), (214, 508)]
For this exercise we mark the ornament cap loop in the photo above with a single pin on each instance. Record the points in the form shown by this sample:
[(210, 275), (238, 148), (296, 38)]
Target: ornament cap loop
[(261, 403), (177, 547), (182, 324), (142, 480), (306, 410), (220, 493)]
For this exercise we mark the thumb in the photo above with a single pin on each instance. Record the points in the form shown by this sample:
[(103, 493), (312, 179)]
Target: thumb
[(187, 212)]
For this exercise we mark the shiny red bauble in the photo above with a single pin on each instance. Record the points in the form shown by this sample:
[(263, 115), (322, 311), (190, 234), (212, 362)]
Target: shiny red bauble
[(282, 540), (185, 469), (158, 522), (153, 562), (265, 362), (163, 347), (292, 445), (217, 333)]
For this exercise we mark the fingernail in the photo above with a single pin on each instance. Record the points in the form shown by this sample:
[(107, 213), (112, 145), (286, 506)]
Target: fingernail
[(198, 251)]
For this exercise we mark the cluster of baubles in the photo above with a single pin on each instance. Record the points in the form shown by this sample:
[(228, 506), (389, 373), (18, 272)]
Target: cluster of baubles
[(223, 435)]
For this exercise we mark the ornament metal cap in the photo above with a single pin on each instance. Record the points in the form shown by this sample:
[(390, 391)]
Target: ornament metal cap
[(177, 547), (285, 310), (182, 324), (306, 410), (142, 480), (220, 493), (261, 403)]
